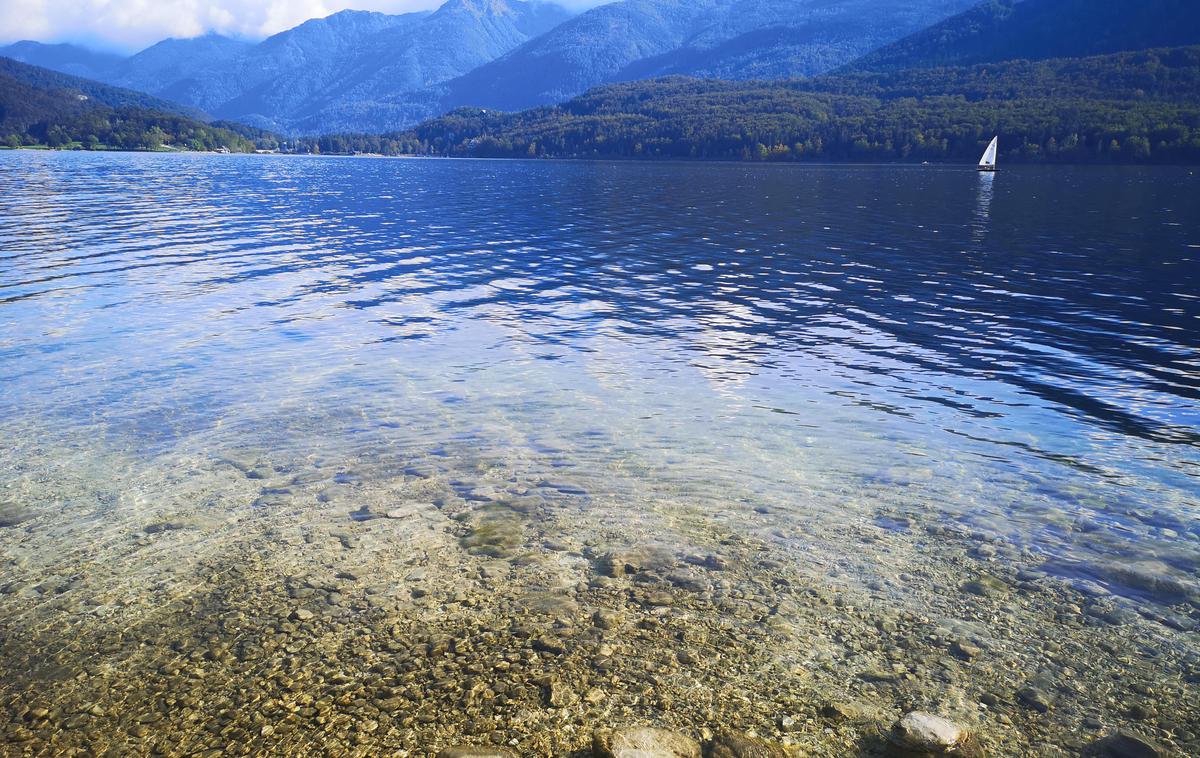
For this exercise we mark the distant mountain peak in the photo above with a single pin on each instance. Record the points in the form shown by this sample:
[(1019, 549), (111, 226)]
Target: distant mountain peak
[(478, 7)]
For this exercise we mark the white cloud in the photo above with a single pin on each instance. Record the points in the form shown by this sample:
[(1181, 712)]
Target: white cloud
[(129, 25)]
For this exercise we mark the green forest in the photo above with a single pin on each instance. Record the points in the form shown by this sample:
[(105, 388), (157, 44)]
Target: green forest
[(1128, 108), (58, 111)]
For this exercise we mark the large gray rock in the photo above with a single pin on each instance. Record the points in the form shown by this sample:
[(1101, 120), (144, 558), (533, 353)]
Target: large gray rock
[(643, 742), (921, 733)]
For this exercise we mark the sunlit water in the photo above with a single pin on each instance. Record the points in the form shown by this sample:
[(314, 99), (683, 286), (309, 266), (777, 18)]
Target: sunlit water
[(797, 353)]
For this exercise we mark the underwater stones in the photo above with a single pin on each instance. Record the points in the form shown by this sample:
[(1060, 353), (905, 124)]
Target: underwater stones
[(658, 599), (163, 526), (556, 694), (643, 742), (1035, 698), (985, 585), (301, 614), (690, 581), (738, 745), (838, 711), (921, 734), (619, 563), (12, 514), (965, 650), (1125, 744), (606, 619), (1154, 577), (494, 532), (475, 752), (364, 513)]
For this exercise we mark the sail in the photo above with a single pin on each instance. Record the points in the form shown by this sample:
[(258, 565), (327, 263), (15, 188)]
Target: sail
[(989, 155)]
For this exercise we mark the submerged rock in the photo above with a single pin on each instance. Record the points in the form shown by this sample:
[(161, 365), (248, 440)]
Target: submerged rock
[(1035, 698), (620, 563), (643, 742), (738, 745), (475, 752), (12, 514), (985, 586), (921, 733), (1125, 744)]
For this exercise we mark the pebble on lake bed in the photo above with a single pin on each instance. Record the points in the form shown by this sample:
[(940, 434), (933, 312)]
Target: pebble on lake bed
[(1125, 744), (738, 745), (921, 734), (643, 742), (12, 514)]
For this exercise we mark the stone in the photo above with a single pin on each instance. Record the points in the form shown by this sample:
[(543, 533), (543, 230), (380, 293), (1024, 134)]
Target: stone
[(965, 650), (559, 695), (12, 514), (475, 752), (620, 563), (1035, 698), (985, 586), (1154, 577), (302, 614), (1126, 744), (606, 619), (841, 711), (738, 745), (643, 742), (929, 734)]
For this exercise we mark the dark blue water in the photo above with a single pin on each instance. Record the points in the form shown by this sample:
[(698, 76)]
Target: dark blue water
[(1013, 352)]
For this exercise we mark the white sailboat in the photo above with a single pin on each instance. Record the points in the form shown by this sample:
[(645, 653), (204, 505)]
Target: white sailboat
[(988, 161)]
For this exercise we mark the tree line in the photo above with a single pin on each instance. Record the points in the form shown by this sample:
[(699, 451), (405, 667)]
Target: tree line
[(1128, 108)]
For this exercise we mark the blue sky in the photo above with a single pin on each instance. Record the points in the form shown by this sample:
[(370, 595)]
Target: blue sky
[(129, 25)]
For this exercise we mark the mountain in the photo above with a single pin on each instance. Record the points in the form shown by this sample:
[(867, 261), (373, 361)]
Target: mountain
[(43, 107), (1000, 30), (1136, 107), (386, 84), (354, 70), (68, 59), (736, 39), (166, 62)]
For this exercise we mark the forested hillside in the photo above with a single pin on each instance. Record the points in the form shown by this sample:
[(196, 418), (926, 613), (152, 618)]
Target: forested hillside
[(1000, 30), (1135, 107), (116, 97), (41, 107)]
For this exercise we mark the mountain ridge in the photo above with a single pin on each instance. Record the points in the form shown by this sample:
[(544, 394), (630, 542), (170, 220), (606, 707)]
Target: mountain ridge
[(999, 30)]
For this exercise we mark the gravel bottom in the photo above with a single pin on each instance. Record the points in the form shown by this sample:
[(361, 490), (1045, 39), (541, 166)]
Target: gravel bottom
[(243, 606)]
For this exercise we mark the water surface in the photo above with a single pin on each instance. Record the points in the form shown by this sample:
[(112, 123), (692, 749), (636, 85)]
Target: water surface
[(894, 380)]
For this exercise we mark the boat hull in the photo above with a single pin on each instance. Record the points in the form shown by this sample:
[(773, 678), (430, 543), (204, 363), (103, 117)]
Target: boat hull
[(986, 168)]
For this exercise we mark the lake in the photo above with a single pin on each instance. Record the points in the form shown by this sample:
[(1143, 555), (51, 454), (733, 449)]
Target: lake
[(357, 456)]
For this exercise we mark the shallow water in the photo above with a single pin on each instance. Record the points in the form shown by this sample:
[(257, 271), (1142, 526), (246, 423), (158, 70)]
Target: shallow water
[(877, 383)]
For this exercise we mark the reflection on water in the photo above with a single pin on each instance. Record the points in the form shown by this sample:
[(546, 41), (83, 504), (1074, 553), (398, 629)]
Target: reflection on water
[(801, 356), (983, 208)]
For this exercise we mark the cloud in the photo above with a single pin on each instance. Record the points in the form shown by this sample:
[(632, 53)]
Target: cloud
[(128, 25)]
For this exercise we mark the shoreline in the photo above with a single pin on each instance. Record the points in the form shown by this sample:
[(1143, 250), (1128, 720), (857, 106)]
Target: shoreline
[(615, 159)]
